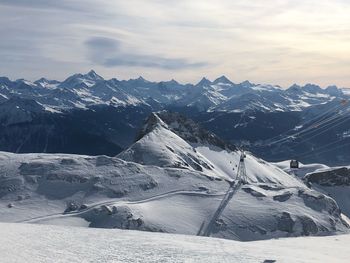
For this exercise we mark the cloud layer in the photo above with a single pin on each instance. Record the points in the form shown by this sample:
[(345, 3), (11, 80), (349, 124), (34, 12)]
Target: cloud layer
[(107, 52), (271, 41)]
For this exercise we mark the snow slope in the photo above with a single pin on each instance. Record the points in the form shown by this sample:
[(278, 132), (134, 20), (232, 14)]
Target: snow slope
[(167, 181), (303, 168), (37, 243), (332, 181)]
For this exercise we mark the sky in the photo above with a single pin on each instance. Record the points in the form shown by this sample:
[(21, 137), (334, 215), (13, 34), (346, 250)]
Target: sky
[(272, 41)]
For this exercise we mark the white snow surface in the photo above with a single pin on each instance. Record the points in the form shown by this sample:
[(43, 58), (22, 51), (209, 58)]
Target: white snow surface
[(39, 243), (303, 168), (164, 184)]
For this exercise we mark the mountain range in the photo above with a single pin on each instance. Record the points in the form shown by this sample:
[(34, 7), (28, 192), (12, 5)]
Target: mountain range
[(84, 90), (86, 114)]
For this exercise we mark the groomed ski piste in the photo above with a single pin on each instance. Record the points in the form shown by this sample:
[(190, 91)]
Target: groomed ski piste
[(41, 243)]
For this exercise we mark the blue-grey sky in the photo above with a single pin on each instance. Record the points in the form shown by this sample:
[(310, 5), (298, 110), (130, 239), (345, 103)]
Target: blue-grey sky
[(271, 41)]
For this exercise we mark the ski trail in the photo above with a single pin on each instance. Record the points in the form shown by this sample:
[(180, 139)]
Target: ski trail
[(123, 202), (206, 230)]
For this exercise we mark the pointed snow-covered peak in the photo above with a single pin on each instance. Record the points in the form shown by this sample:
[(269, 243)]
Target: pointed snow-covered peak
[(138, 81), (295, 87), (92, 75), (161, 145), (204, 82), (79, 80), (185, 128), (141, 79), (171, 82), (223, 80), (246, 84), (151, 122), (312, 88)]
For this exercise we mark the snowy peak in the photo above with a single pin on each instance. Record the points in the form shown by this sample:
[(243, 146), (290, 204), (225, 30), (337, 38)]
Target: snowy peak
[(246, 84), (191, 131), (47, 83), (311, 88), (204, 82), (170, 140), (82, 80), (185, 128), (223, 80), (150, 124), (163, 148), (334, 91), (92, 75), (220, 95)]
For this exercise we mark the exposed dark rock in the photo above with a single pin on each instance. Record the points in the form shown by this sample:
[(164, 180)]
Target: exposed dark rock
[(333, 177), (285, 223), (253, 192), (282, 197), (309, 226)]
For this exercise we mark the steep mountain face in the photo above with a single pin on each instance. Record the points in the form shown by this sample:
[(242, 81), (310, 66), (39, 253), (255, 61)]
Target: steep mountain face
[(166, 183), (332, 181), (335, 182)]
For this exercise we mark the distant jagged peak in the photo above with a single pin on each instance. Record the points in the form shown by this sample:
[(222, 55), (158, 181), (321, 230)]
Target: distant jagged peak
[(204, 82), (88, 79), (312, 88), (44, 82), (140, 79), (5, 80), (246, 84), (294, 87), (22, 81), (170, 82), (223, 80), (92, 75), (185, 128), (334, 90)]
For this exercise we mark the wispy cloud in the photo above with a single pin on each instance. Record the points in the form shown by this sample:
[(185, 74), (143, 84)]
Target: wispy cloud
[(107, 52), (282, 41)]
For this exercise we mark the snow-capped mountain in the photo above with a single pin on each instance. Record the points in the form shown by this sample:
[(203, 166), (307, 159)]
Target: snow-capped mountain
[(174, 178), (218, 95), (111, 111)]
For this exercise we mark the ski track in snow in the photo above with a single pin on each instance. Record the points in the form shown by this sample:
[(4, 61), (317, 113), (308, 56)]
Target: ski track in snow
[(114, 202)]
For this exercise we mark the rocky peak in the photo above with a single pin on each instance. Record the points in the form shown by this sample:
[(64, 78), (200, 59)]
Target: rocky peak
[(185, 128), (204, 82), (223, 80)]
